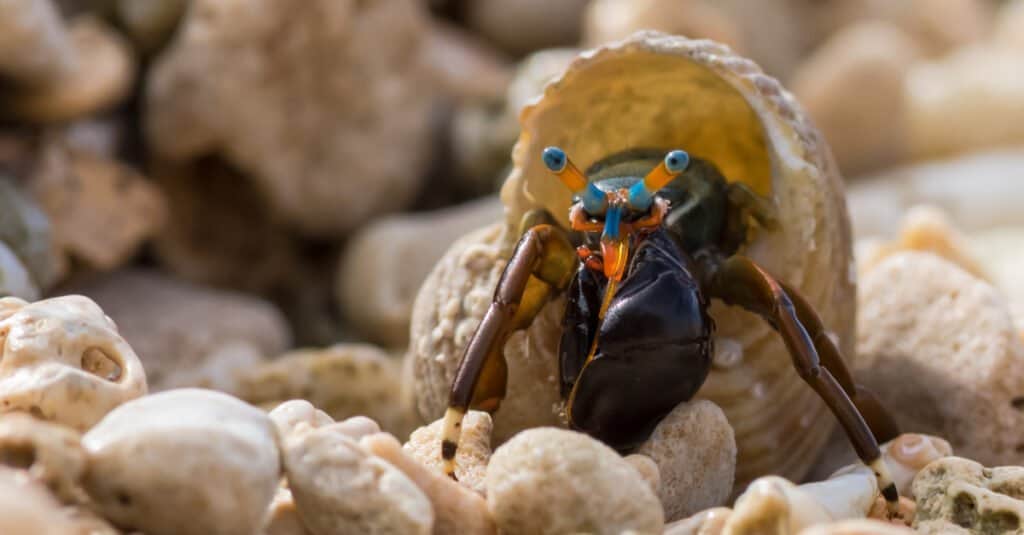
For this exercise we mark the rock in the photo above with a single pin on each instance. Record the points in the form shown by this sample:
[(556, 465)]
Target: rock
[(220, 230), (26, 234), (976, 88), (858, 527), (26, 508), (339, 488), (52, 454), (63, 360), (939, 348), (223, 477), (648, 470), (927, 229), (772, 501), (100, 75), (456, 508), (695, 451), (866, 131), (151, 22), (707, 522), (544, 481), (334, 127), (908, 453), (1001, 257), (445, 316), (466, 67), (1008, 25), (610, 20), (15, 279), (343, 380), (293, 416), (282, 516), (958, 495), (188, 335), (470, 459), (35, 48), (989, 199), (523, 26), (376, 280), (101, 210)]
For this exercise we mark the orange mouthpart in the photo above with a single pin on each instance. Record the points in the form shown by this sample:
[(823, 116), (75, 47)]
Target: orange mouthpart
[(615, 255)]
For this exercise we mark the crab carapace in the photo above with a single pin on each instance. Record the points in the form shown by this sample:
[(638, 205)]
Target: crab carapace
[(657, 236)]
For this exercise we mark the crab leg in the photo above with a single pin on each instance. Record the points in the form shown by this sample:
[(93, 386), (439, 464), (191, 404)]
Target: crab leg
[(543, 260), (739, 281)]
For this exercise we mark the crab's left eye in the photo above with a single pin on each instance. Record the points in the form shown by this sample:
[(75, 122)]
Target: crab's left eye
[(676, 161)]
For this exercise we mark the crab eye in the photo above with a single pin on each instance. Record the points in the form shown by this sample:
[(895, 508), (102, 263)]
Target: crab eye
[(554, 159), (676, 161)]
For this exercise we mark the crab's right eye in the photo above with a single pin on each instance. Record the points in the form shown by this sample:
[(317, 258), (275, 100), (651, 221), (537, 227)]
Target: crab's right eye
[(676, 161), (554, 159)]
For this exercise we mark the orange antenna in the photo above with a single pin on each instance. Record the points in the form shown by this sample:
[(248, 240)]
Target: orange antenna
[(559, 164), (674, 163)]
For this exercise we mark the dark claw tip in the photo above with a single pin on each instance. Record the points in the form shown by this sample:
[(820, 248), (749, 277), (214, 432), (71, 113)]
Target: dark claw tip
[(890, 493), (448, 449)]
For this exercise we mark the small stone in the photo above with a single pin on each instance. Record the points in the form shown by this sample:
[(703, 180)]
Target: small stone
[(282, 516), (975, 88), (959, 493), (866, 131), (334, 127), (456, 508), (908, 453), (101, 211), (470, 459), (695, 450), (858, 527), (99, 76), (548, 480), (210, 464), (26, 508), (940, 349), (465, 66), (707, 522), (150, 23), (340, 489), (15, 280), (610, 20), (27, 234), (1009, 24), (189, 335), (343, 380), (289, 417), (34, 45), (376, 281), (51, 453), (522, 26), (648, 470), (63, 360)]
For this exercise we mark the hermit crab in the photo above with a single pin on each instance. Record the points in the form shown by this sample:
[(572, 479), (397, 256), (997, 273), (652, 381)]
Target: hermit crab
[(701, 248)]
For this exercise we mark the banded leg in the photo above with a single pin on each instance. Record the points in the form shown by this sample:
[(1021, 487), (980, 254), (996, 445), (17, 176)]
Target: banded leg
[(741, 282), (543, 261)]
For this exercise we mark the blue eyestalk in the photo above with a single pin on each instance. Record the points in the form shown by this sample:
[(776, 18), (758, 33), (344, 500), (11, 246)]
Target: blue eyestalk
[(554, 158), (677, 161)]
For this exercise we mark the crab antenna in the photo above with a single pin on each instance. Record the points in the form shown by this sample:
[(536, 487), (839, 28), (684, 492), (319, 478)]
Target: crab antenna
[(642, 193), (594, 200)]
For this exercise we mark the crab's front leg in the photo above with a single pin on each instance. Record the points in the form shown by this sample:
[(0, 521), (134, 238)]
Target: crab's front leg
[(739, 281), (543, 261)]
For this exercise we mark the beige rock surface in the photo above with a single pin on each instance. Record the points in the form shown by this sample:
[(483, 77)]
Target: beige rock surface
[(866, 131), (34, 45), (333, 125), (294, 416), (466, 66), (956, 495), (707, 522), (939, 347), (282, 516), (522, 26), (473, 454), (457, 509), (343, 380), (858, 527), (1008, 25), (99, 76), (648, 470), (224, 473), (15, 280), (150, 23), (52, 454), (189, 335), (544, 481), (27, 235), (26, 508), (101, 210), (63, 360), (610, 20), (385, 263), (340, 489), (695, 450)]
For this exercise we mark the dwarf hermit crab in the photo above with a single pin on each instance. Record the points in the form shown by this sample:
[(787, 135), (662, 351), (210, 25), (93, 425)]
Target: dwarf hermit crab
[(703, 209)]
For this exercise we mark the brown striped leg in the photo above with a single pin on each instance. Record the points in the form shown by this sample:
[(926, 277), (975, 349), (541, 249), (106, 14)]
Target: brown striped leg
[(741, 282), (542, 261)]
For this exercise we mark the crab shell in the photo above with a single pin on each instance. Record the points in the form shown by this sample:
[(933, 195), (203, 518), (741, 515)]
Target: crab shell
[(659, 91)]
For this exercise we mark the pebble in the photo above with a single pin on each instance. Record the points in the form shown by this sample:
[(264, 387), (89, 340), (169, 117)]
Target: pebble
[(858, 527), (15, 279), (648, 470), (522, 26), (34, 45), (456, 509), (695, 451), (345, 136), (940, 348), (186, 334), (26, 508), (610, 20), (344, 380), (376, 281), (339, 488), (224, 473), (957, 495), (544, 481), (471, 458), (51, 453), (282, 516), (26, 234), (63, 360)]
